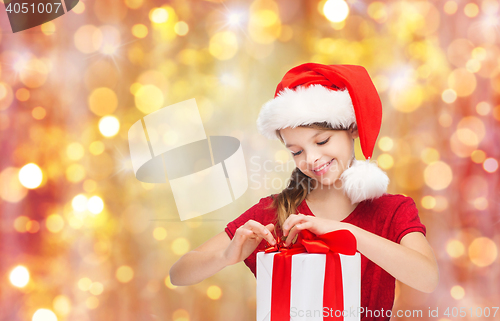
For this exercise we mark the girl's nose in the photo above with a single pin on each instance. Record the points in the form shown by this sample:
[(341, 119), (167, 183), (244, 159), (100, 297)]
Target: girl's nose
[(313, 160)]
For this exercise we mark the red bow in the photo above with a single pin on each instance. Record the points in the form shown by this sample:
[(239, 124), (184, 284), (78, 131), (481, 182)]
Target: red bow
[(332, 244)]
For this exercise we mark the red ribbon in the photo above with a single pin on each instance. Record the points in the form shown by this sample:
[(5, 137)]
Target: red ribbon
[(332, 244)]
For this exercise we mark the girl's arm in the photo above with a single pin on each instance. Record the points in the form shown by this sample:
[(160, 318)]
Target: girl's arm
[(219, 252), (411, 262)]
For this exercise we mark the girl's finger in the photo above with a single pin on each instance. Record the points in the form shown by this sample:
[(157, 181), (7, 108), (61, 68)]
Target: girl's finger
[(291, 221), (304, 225)]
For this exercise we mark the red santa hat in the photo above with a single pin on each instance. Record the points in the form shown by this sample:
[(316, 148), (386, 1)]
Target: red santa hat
[(341, 95)]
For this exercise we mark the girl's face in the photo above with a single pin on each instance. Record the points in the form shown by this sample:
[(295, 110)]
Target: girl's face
[(313, 148)]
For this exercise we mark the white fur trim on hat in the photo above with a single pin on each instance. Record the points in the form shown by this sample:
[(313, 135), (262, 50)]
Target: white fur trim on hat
[(303, 106), (364, 180)]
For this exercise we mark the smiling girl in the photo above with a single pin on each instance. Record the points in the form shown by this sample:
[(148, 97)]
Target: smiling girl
[(317, 113)]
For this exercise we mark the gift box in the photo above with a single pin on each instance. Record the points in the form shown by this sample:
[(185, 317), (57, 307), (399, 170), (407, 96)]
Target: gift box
[(317, 278)]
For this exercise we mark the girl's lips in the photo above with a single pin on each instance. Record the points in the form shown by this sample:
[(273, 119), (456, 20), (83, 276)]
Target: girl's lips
[(324, 170)]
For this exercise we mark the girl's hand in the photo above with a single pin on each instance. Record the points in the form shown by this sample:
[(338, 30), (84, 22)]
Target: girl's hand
[(297, 222), (246, 239)]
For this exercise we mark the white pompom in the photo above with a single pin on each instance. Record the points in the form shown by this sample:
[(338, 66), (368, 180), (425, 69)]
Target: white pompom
[(364, 180)]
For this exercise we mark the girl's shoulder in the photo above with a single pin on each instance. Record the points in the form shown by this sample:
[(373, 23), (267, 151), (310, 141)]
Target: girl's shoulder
[(390, 200)]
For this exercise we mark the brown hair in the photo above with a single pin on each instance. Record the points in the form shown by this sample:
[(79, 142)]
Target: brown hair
[(298, 188)]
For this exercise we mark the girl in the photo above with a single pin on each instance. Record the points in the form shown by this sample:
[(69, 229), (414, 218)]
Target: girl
[(317, 113)]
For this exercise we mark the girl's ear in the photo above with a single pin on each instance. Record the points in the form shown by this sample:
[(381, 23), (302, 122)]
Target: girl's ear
[(354, 131)]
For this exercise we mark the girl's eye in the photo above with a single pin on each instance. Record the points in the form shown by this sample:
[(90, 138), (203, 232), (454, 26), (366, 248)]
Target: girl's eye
[(322, 143)]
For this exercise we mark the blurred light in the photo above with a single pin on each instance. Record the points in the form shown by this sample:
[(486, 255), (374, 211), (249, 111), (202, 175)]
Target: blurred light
[(473, 65), (79, 203), (449, 96), (214, 292), (75, 173), (20, 223), (483, 108), (32, 226), (180, 315), (471, 130), (11, 189), (490, 165), (168, 283), (234, 19), (496, 112), (135, 87), (336, 10), (103, 101), (445, 120), (147, 186), (96, 148), (159, 233), (478, 156), (44, 315), (428, 202), (95, 205), (92, 302), (438, 175), (385, 161), (124, 274), (471, 10), (54, 223), (385, 143), (139, 30), (89, 185), (75, 222), (467, 137), (30, 176), (406, 98), (429, 155), (181, 28), (88, 39), (457, 292), (158, 15), (19, 276), (455, 248), (480, 203), (38, 113), (79, 8), (180, 246), (75, 151), (450, 7), (479, 53), (48, 28), (111, 39), (223, 45), (148, 99), (22, 94), (109, 126), (84, 284), (490, 6), (483, 251), (441, 203), (377, 11), (62, 305), (96, 288), (133, 4)]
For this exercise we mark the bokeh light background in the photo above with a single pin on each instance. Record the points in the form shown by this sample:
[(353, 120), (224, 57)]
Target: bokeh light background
[(82, 239)]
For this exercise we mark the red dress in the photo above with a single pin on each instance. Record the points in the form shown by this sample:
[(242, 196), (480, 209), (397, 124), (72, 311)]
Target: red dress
[(390, 216)]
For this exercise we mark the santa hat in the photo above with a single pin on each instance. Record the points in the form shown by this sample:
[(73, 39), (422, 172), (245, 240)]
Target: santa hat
[(341, 95)]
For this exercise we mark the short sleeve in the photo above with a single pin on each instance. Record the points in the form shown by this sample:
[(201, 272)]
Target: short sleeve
[(240, 220), (406, 220)]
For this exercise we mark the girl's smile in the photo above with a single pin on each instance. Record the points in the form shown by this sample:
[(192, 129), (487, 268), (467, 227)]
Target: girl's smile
[(323, 169)]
